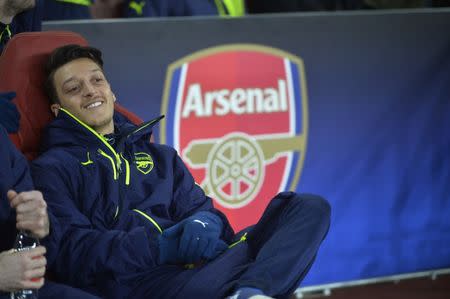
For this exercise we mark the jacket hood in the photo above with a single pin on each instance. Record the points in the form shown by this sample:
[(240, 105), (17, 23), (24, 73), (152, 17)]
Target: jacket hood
[(66, 130)]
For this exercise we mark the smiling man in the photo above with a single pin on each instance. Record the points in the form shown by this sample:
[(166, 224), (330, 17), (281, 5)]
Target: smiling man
[(97, 111), (136, 224)]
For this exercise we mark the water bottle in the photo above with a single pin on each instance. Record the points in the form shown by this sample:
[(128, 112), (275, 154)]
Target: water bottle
[(24, 241)]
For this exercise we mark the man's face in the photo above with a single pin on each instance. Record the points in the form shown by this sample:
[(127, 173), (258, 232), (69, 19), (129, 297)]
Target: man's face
[(82, 89), (17, 6)]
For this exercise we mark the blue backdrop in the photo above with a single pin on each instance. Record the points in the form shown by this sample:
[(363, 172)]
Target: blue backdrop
[(379, 127)]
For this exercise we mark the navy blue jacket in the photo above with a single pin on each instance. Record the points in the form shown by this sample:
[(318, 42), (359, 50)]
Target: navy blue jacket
[(26, 21), (113, 201), (15, 175)]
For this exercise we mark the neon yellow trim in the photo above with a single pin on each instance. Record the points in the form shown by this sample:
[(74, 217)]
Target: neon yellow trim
[(242, 239), (78, 2), (8, 30), (220, 8), (89, 161), (137, 7), (97, 135), (149, 219), (112, 162), (189, 266), (127, 169), (143, 127), (236, 8)]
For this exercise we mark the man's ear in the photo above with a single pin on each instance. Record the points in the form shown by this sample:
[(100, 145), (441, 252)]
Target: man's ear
[(55, 109)]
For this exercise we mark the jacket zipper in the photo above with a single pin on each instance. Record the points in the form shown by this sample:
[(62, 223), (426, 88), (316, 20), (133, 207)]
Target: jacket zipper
[(116, 162)]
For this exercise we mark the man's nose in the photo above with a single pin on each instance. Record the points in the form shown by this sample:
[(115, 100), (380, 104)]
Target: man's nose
[(89, 90)]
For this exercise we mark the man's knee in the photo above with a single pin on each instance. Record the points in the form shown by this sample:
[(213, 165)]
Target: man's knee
[(316, 202), (310, 204)]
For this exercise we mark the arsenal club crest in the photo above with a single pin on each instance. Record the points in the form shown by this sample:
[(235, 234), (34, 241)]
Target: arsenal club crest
[(238, 116), (143, 162)]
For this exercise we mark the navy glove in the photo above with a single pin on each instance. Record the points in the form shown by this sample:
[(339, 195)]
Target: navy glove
[(195, 238), (9, 116), (200, 237)]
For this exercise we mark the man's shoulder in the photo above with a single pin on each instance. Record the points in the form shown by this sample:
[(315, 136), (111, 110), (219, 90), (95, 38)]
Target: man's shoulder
[(162, 150), (57, 157)]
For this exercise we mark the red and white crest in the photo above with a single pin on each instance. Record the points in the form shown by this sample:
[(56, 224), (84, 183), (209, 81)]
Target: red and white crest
[(238, 116)]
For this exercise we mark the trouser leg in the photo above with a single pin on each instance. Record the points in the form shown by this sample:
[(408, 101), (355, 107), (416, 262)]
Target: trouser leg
[(215, 279), (52, 290), (285, 242), (280, 250)]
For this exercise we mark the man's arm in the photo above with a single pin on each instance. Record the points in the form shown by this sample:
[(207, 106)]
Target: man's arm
[(19, 179), (43, 224), (18, 270), (86, 254), (189, 199), (202, 229), (9, 116)]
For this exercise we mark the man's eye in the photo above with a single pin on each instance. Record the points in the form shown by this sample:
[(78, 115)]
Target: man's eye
[(98, 79), (72, 89)]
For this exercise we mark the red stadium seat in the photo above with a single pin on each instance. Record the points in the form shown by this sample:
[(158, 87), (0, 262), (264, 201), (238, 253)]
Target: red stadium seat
[(21, 70)]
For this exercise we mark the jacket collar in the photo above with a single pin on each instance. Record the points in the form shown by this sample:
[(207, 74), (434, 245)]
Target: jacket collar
[(67, 130)]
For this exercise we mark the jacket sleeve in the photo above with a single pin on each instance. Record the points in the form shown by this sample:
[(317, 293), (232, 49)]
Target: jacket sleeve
[(20, 181), (19, 167), (15, 175), (189, 198), (88, 256)]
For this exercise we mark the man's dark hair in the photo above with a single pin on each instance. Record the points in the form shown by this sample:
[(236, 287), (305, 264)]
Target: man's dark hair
[(63, 55)]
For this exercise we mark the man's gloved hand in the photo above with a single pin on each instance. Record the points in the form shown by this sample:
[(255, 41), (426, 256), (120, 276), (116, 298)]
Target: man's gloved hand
[(9, 116), (195, 238)]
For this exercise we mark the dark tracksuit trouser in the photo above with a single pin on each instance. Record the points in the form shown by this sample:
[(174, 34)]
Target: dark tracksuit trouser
[(277, 255)]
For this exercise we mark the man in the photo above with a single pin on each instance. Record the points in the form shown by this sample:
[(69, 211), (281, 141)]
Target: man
[(136, 224), (15, 16), (25, 209)]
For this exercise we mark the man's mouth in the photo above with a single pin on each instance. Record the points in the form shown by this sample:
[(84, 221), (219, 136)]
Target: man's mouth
[(93, 105)]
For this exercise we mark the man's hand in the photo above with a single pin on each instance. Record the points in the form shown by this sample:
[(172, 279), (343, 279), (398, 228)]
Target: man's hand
[(22, 270), (201, 237), (9, 116), (192, 240), (31, 211)]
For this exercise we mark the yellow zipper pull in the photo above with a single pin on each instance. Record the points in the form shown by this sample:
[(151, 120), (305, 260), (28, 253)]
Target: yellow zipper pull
[(242, 239)]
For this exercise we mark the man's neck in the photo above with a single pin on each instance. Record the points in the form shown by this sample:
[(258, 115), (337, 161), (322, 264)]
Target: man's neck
[(105, 129)]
